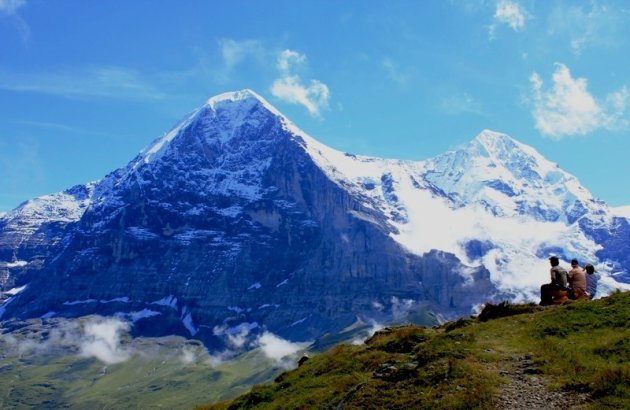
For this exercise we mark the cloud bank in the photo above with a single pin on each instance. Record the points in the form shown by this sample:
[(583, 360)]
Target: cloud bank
[(98, 337)]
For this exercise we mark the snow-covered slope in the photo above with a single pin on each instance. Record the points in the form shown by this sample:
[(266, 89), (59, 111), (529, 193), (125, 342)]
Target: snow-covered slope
[(35, 229), (64, 207), (495, 203)]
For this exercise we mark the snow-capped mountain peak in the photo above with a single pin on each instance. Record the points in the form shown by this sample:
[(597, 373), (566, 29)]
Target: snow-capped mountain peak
[(518, 158), (220, 116), (506, 176), (232, 96), (494, 141), (244, 98)]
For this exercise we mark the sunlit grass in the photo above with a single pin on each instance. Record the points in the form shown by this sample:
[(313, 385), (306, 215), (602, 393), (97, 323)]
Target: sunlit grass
[(581, 346)]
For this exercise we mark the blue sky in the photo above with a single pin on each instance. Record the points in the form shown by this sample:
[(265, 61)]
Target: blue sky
[(85, 85)]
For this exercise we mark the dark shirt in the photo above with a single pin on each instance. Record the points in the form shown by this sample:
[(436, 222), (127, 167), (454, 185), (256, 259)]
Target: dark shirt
[(591, 284)]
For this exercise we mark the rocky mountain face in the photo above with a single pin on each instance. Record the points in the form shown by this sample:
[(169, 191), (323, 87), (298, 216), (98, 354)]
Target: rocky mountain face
[(34, 232), (236, 222)]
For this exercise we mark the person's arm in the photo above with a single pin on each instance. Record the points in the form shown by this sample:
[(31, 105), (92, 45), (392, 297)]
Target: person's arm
[(563, 280)]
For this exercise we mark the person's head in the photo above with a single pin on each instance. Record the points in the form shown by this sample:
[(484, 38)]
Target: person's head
[(574, 263), (554, 261), (590, 269)]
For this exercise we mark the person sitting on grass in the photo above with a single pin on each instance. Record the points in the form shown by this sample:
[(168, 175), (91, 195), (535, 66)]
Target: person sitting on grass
[(558, 283), (591, 280), (577, 281)]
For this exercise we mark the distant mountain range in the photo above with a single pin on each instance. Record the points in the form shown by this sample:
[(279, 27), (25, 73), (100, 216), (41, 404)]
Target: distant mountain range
[(236, 222)]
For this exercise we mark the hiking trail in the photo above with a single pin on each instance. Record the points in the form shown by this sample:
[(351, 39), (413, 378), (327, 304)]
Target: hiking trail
[(525, 388)]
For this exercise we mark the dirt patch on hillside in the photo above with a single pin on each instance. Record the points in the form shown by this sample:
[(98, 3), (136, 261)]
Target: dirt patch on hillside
[(526, 388)]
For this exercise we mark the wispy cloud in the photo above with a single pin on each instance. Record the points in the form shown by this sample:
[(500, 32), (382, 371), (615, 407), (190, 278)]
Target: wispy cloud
[(67, 129), (586, 25), (289, 57), (235, 337), (235, 52), (510, 13), (460, 103), (108, 81), (9, 8), (568, 108), (401, 307), (362, 336), (289, 87), (395, 72)]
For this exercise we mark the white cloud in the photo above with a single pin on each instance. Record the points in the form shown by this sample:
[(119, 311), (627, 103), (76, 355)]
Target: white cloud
[(235, 336), (280, 350), (189, 356), (617, 102), (363, 336), (288, 57), (11, 6), (101, 339), (289, 87), (68, 129), (567, 107), (510, 13), (96, 337)]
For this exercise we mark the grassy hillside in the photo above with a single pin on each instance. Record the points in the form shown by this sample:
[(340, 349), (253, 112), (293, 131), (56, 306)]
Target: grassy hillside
[(576, 355), (168, 372)]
